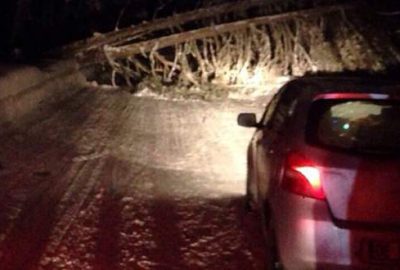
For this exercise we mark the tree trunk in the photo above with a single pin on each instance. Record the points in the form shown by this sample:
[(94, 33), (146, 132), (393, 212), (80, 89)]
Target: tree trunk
[(166, 41)]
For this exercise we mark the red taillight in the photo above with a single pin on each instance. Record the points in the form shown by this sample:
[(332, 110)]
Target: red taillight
[(302, 177)]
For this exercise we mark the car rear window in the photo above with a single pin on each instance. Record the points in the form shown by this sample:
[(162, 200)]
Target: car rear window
[(371, 126)]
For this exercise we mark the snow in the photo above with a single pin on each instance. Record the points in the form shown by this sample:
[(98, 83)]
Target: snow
[(18, 78), (24, 89), (133, 183)]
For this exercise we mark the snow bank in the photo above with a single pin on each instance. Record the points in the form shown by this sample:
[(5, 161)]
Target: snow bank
[(25, 88)]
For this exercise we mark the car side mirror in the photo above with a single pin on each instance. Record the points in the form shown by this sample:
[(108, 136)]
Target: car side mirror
[(247, 120)]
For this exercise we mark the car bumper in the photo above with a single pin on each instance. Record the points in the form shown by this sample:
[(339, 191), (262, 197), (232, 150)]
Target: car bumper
[(307, 238)]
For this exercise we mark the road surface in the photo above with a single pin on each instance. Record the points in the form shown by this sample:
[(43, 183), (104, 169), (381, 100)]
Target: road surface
[(107, 180)]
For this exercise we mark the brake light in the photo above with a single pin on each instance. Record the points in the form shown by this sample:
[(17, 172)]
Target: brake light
[(302, 177)]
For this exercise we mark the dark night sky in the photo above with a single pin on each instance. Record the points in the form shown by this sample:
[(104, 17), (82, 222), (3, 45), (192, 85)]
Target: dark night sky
[(33, 26)]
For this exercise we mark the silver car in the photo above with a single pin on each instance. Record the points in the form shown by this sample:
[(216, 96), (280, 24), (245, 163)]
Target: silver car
[(324, 173)]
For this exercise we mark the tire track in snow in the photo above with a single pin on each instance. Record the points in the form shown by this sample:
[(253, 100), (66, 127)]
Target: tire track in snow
[(100, 131), (30, 233), (23, 154), (152, 177), (27, 233), (76, 200), (65, 127)]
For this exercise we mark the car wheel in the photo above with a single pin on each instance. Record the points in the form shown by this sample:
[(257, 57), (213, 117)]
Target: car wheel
[(272, 254)]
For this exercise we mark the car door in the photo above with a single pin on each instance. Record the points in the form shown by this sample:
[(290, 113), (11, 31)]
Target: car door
[(271, 141), (258, 155)]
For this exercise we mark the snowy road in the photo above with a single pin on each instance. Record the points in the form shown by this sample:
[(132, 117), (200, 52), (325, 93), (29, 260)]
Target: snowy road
[(112, 181)]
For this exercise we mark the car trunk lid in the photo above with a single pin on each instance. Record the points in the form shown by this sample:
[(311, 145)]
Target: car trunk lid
[(356, 139), (368, 191)]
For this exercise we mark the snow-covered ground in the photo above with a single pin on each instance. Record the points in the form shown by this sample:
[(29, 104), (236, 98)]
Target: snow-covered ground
[(112, 181), (24, 89)]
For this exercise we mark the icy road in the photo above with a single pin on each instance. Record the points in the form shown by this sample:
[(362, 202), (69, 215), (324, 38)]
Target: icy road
[(108, 180)]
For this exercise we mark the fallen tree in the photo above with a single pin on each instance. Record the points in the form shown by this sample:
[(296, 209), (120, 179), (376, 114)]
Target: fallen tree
[(215, 30), (244, 53), (135, 32)]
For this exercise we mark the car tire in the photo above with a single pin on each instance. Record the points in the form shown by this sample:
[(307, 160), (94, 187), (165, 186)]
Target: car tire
[(272, 254)]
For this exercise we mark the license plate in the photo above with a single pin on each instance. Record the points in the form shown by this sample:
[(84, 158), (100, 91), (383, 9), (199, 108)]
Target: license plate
[(382, 251)]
